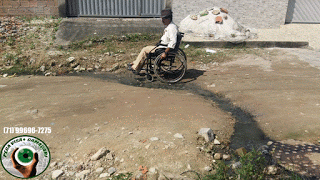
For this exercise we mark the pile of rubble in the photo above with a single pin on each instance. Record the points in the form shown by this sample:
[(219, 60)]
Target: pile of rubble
[(9, 27), (217, 24)]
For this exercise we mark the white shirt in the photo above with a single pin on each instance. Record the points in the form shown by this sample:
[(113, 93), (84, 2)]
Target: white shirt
[(169, 38)]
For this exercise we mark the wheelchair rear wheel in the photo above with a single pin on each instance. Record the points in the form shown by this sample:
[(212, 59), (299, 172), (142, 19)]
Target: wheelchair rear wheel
[(170, 69)]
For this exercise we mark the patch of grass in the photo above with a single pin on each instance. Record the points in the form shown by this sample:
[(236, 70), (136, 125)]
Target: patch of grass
[(126, 176), (252, 166), (20, 70)]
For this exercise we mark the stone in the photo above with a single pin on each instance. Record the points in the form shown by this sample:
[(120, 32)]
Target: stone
[(236, 165), (153, 173), (224, 10), (241, 152), (207, 133), (42, 68), (48, 74), (179, 136), (208, 168), (5, 75), (99, 170), (83, 174), (112, 170), (109, 156), (71, 59), (57, 173), (104, 175), (77, 68), (216, 11), (53, 164), (99, 154), (269, 143), (154, 139), (216, 142), (90, 69), (217, 156), (272, 170), (226, 157), (194, 17), (219, 20)]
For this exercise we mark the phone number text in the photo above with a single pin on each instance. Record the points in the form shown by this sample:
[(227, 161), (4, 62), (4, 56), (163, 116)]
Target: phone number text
[(27, 130)]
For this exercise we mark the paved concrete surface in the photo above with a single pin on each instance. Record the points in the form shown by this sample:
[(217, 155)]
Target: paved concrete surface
[(78, 29), (287, 36)]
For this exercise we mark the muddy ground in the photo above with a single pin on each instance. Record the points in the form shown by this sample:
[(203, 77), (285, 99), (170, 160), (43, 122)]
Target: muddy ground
[(247, 102)]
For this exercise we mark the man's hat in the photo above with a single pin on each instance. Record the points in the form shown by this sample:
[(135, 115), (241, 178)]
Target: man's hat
[(166, 13)]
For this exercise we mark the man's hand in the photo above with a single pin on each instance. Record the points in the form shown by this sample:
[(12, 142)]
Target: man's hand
[(163, 55), (26, 171)]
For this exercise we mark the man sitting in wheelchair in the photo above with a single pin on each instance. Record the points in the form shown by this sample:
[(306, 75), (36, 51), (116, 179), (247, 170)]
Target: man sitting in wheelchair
[(168, 41)]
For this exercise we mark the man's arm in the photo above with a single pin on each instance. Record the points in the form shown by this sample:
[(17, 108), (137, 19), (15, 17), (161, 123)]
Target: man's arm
[(172, 33)]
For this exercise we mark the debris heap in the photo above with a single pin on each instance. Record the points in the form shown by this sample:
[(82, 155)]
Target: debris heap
[(217, 24)]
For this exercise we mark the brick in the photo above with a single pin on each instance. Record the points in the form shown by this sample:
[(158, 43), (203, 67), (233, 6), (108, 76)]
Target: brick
[(219, 20), (224, 10)]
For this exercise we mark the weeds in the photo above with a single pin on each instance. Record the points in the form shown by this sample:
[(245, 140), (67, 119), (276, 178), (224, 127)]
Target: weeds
[(126, 176)]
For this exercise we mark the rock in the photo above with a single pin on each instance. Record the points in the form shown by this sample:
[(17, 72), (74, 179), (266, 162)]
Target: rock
[(241, 152), (216, 11), (272, 170), (77, 68), (219, 20), (99, 154), (83, 174), (109, 156), (5, 75), (67, 154), (216, 142), (53, 164), (226, 157), (56, 174), (148, 146), (217, 156), (104, 175), (48, 74), (154, 139), (99, 170), (269, 143), (71, 59), (90, 69), (208, 168), (236, 165), (42, 68), (115, 67), (153, 173), (112, 170), (74, 65), (207, 133), (140, 176), (82, 69), (179, 136)]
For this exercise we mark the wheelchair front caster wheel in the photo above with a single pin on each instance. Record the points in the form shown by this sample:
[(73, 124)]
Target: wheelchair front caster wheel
[(149, 78)]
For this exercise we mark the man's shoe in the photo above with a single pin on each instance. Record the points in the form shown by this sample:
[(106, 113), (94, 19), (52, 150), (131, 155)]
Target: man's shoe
[(129, 66)]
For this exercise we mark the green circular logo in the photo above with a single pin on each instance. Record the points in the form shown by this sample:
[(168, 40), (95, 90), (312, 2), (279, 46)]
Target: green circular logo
[(25, 156)]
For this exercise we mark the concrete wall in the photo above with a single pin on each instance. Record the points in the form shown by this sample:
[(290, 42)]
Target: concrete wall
[(250, 13), (32, 8)]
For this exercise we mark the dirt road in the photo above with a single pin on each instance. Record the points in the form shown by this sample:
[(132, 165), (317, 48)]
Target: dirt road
[(248, 101)]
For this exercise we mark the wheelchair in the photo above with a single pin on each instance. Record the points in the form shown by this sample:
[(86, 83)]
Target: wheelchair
[(168, 70)]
